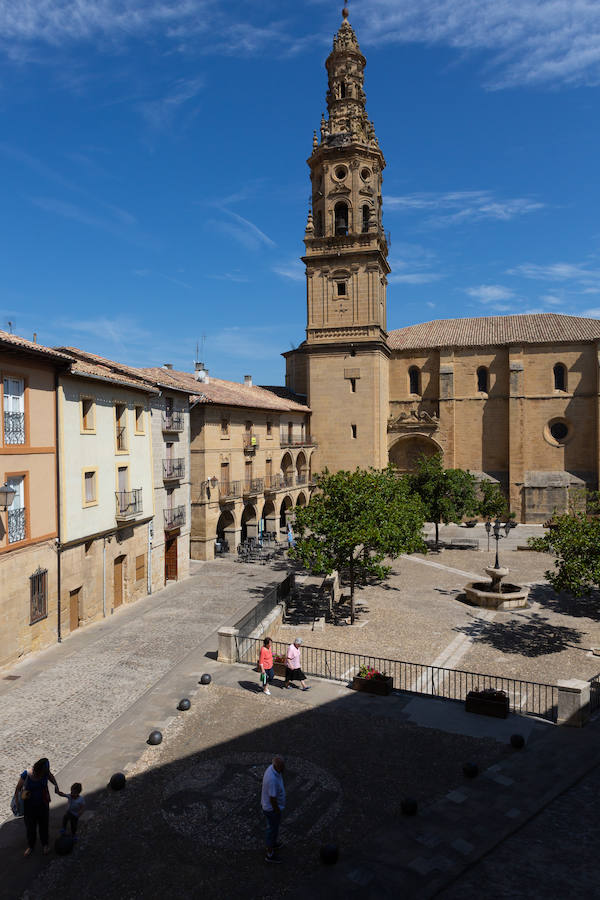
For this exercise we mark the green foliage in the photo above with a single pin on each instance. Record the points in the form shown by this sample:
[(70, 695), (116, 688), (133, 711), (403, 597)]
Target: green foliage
[(369, 511), (574, 539), (447, 494), (492, 502)]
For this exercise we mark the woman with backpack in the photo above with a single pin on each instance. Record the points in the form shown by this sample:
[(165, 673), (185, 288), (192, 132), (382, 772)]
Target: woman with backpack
[(32, 789)]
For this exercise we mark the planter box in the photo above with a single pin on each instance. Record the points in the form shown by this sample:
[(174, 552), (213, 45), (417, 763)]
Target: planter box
[(279, 669), (380, 686), (496, 705)]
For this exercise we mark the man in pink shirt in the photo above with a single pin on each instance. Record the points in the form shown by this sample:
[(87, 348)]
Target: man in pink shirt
[(293, 672)]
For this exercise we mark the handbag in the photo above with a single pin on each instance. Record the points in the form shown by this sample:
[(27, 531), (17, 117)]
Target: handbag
[(16, 804)]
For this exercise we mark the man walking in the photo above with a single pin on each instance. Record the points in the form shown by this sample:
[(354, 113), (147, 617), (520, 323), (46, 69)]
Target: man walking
[(273, 802)]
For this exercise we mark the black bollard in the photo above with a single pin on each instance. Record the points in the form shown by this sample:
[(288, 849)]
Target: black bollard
[(517, 741), (184, 704), (329, 854), (205, 679), (117, 781), (155, 737)]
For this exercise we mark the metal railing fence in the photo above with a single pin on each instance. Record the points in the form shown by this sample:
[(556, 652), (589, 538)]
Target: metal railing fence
[(526, 697), (594, 693), (249, 646)]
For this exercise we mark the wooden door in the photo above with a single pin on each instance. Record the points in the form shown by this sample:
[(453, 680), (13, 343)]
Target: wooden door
[(118, 580), (74, 609), (171, 559)]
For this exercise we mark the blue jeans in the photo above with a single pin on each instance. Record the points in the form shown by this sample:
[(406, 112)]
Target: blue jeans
[(273, 821)]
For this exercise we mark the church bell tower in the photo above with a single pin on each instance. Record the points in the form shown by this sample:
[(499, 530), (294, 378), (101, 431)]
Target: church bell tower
[(346, 269)]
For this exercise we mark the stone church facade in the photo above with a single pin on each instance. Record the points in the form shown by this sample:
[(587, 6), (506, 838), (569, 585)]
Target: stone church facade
[(514, 399)]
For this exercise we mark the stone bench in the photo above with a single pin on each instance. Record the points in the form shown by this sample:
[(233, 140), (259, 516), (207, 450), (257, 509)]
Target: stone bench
[(464, 543)]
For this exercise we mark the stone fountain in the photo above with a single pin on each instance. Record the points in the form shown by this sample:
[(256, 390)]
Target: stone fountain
[(494, 594)]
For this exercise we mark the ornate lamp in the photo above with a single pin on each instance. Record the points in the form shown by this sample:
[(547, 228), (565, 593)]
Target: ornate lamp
[(7, 495)]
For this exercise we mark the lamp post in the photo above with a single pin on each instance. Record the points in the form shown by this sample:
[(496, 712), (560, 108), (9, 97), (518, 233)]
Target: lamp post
[(7, 495), (496, 528)]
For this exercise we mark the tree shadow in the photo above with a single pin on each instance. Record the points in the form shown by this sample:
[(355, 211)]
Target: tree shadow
[(526, 635), (564, 604)]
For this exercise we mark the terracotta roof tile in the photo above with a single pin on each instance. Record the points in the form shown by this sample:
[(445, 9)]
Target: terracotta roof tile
[(13, 340), (537, 328), (225, 393), (90, 365)]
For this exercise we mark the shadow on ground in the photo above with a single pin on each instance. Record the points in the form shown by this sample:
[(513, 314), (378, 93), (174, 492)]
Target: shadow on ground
[(587, 607), (525, 635)]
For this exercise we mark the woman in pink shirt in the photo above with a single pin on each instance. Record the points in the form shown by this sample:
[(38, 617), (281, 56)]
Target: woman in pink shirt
[(293, 672), (265, 664)]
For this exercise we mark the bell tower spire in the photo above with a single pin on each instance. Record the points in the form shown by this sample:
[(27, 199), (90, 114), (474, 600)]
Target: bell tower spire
[(346, 355)]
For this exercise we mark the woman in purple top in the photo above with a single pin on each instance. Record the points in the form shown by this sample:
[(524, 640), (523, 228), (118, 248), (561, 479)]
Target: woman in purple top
[(33, 784)]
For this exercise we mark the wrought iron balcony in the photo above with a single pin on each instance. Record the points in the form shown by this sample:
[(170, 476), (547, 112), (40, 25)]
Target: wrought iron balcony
[(129, 504), (229, 490), (14, 428), (302, 477), (254, 486), (295, 440), (16, 525), (174, 518), (287, 479), (273, 482), (173, 468), (172, 421), (250, 442), (121, 437)]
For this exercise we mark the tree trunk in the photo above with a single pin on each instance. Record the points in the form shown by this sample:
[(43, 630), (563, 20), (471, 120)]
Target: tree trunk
[(352, 591), (437, 535)]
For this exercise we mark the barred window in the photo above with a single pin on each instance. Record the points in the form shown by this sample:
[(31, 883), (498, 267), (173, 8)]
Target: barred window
[(38, 597)]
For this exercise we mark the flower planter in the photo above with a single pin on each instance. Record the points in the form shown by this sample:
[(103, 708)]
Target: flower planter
[(279, 669), (380, 686), (488, 703)]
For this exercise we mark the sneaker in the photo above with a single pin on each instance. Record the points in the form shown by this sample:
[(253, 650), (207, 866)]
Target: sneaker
[(307, 688), (271, 858), (267, 692), (287, 686)]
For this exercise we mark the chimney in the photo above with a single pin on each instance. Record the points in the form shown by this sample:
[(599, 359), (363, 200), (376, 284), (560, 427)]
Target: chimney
[(35, 337), (248, 380), (167, 365), (201, 372)]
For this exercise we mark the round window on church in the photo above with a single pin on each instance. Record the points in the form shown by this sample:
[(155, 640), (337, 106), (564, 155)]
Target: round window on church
[(365, 174), (341, 172), (558, 432)]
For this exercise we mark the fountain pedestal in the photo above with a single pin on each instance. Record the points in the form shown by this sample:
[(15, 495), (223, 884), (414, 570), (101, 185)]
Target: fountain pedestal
[(495, 595)]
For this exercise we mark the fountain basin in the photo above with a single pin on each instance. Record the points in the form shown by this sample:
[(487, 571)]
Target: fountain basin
[(487, 595)]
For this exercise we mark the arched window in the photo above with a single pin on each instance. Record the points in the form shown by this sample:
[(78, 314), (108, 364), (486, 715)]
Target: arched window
[(560, 377), (341, 218), (414, 380), (342, 90), (366, 214), (482, 380), (319, 223)]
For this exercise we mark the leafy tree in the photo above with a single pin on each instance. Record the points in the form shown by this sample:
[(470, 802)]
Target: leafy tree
[(574, 539), (492, 502), (447, 494), (354, 521)]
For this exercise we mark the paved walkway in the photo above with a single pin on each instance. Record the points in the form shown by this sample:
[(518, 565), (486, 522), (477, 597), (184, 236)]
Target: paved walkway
[(89, 703)]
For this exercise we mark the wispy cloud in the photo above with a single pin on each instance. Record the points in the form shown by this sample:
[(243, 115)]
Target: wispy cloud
[(230, 276), (581, 277), (244, 231), (294, 270), (462, 207), (413, 264), (490, 293), (159, 113), (533, 42), (245, 342)]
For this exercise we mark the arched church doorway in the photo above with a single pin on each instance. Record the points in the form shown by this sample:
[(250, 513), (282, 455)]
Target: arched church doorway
[(405, 452)]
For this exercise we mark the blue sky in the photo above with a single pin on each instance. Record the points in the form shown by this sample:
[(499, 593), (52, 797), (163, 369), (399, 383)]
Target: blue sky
[(154, 178)]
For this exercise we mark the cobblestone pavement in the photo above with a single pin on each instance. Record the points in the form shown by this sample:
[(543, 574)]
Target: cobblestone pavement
[(417, 615), (67, 695)]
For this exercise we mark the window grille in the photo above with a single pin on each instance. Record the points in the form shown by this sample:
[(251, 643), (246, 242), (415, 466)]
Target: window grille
[(38, 596)]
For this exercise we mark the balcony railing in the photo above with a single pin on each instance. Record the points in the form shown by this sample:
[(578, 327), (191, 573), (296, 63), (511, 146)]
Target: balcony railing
[(254, 486), (229, 490), (287, 479), (273, 482), (302, 478), (173, 468), (296, 440), (16, 525), (172, 421), (174, 518), (250, 442), (129, 504), (14, 428), (121, 437)]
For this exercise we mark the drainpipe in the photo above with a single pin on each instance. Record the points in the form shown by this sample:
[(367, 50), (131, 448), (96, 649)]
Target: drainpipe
[(149, 572), (58, 507), (104, 577)]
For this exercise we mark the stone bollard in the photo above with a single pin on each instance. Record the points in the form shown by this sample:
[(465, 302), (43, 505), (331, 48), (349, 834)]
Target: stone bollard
[(573, 702), (228, 644)]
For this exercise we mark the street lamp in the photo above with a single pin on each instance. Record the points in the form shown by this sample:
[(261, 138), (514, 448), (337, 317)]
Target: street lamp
[(7, 495), (210, 483), (496, 528)]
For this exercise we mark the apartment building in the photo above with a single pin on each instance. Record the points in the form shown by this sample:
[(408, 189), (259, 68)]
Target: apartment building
[(29, 613), (250, 457)]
